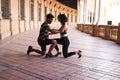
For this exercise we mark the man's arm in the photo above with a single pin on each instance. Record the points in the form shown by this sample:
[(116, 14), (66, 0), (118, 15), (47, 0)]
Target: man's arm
[(54, 31)]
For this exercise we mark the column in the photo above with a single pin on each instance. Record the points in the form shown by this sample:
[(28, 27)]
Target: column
[(95, 12), (85, 11), (78, 8), (101, 11), (81, 12), (96, 18), (98, 12), (82, 15)]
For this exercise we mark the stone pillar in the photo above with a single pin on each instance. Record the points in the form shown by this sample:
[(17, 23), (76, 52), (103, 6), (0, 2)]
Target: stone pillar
[(84, 11), (78, 8), (118, 34), (107, 32), (96, 10), (99, 11), (81, 12), (95, 30)]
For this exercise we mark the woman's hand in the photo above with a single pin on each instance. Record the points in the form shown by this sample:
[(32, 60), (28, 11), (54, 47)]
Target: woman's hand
[(55, 31)]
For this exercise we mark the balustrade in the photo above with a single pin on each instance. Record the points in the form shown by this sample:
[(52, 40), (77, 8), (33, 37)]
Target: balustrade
[(109, 32)]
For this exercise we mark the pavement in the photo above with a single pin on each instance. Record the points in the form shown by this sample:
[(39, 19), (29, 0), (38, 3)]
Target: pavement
[(100, 59)]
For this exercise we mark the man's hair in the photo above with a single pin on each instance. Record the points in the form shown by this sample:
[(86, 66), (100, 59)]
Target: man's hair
[(49, 16)]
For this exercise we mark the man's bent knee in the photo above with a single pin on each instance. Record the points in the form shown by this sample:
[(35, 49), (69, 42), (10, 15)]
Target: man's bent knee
[(54, 42)]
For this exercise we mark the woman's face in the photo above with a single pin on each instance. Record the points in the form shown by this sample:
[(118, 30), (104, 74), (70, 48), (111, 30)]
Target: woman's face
[(59, 19)]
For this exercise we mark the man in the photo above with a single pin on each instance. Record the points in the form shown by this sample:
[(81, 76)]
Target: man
[(43, 38)]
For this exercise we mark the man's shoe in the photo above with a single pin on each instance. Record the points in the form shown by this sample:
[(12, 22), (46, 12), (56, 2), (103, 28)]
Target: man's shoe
[(49, 55), (29, 50)]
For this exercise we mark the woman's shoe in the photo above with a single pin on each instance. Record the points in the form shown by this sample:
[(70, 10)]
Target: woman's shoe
[(58, 54), (79, 53), (29, 50)]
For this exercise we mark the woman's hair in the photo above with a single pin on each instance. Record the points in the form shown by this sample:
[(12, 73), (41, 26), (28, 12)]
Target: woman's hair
[(62, 18)]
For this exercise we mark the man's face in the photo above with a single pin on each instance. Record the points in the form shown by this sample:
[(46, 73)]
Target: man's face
[(50, 20)]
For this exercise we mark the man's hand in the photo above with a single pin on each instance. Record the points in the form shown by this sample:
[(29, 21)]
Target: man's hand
[(55, 31)]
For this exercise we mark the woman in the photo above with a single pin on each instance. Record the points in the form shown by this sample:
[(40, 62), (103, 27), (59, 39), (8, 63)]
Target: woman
[(64, 40)]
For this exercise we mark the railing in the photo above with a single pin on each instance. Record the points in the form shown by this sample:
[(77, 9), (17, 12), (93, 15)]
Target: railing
[(109, 32)]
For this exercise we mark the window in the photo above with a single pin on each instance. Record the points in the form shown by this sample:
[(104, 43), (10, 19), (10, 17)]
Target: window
[(32, 9), (5, 9), (39, 12), (93, 17), (90, 17), (22, 9)]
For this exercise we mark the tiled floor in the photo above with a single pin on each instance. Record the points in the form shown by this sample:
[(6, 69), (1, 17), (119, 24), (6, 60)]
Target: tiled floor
[(100, 59)]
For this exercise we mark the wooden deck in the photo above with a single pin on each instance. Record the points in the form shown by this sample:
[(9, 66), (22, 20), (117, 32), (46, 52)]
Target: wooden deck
[(100, 59)]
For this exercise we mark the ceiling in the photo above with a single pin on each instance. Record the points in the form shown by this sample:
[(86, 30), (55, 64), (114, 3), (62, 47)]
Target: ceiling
[(70, 3)]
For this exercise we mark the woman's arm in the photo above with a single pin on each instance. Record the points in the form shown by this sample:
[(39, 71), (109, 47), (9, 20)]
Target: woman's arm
[(62, 28), (52, 31)]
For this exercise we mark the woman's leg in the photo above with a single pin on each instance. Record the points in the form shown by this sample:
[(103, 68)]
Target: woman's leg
[(65, 48), (59, 41)]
